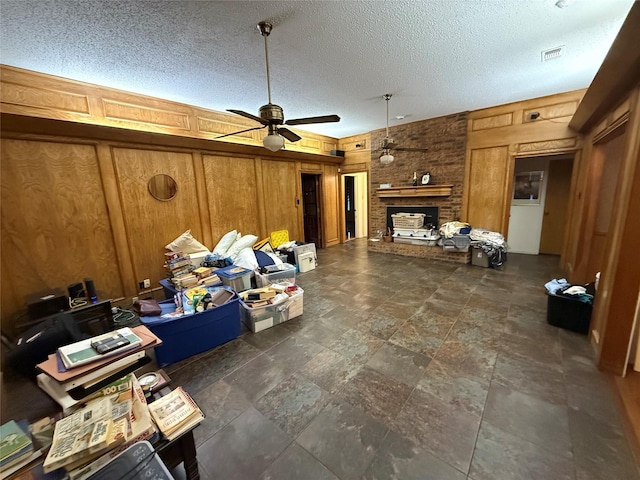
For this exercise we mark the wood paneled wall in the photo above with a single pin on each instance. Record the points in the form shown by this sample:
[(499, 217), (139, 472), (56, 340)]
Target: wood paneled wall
[(606, 230), (38, 95), (496, 136), (75, 201), (55, 223)]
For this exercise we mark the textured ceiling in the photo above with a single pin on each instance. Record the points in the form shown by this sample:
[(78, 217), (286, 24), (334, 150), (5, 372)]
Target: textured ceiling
[(436, 57)]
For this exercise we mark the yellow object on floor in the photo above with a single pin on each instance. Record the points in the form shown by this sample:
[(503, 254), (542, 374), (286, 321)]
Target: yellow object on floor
[(279, 237)]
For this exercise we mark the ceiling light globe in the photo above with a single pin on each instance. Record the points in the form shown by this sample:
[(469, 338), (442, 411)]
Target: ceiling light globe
[(273, 142), (386, 159)]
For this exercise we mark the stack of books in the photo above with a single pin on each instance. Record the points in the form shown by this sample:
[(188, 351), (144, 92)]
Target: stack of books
[(16, 448), (259, 297), (92, 371), (175, 413), (177, 263)]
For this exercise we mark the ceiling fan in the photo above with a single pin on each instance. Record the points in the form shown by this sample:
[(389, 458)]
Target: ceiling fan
[(388, 144), (271, 115)]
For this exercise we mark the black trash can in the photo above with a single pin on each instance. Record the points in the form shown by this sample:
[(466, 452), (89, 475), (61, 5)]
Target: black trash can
[(570, 313)]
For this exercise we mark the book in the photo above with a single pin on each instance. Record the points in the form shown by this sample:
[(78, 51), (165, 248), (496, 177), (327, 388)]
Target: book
[(82, 352), (174, 412), (15, 444)]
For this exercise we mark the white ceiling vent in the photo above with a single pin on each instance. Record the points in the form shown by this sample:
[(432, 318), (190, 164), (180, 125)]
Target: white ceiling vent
[(552, 53)]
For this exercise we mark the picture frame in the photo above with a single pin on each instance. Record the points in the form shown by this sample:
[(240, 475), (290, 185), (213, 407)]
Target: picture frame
[(527, 188)]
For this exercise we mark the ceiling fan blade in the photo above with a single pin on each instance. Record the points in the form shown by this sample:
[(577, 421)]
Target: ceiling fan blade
[(289, 135), (321, 119), (389, 145), (241, 131), (409, 149), (249, 115)]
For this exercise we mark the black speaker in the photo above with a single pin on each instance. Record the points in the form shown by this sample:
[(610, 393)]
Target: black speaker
[(46, 303), (91, 290), (337, 153), (76, 290)]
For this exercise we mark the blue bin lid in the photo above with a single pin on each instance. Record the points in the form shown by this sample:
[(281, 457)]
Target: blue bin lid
[(232, 271)]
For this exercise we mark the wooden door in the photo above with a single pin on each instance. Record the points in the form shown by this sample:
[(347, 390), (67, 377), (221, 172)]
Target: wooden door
[(349, 206), (280, 197), (488, 174), (555, 206), (310, 203)]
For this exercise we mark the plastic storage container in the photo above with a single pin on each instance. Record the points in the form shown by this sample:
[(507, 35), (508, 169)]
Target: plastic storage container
[(188, 335), (235, 277), (284, 273), (568, 313), (261, 318), (458, 243)]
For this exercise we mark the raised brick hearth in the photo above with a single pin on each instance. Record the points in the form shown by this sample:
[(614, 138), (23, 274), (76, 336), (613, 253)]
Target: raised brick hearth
[(445, 137)]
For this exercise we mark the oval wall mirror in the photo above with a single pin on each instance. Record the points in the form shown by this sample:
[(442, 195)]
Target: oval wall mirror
[(162, 187)]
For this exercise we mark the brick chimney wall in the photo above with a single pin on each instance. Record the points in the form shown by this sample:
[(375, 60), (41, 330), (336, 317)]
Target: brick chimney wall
[(445, 137)]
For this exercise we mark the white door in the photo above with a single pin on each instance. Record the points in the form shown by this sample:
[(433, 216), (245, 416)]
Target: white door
[(527, 205)]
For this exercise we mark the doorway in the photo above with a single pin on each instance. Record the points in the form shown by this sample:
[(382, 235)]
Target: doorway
[(311, 208), (537, 217), (355, 205)]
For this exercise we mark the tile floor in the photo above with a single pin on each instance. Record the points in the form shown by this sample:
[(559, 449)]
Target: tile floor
[(404, 368)]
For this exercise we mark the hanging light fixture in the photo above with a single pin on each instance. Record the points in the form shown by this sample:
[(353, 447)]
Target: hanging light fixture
[(386, 157), (273, 141)]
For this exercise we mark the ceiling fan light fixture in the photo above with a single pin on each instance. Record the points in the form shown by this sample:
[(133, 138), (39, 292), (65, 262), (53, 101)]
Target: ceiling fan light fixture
[(273, 142), (386, 158)]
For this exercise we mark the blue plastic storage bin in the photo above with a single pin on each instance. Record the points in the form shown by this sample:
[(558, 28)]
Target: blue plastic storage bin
[(183, 337)]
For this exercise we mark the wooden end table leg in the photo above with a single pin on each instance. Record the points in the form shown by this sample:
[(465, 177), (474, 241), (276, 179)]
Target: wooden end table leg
[(188, 447)]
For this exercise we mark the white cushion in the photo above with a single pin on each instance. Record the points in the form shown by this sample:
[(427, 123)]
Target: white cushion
[(246, 259), (185, 243), (246, 241), (225, 242)]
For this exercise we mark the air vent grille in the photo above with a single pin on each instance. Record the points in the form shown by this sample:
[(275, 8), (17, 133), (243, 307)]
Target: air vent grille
[(552, 53)]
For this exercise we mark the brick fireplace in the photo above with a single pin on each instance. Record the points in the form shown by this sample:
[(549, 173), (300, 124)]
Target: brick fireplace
[(445, 137)]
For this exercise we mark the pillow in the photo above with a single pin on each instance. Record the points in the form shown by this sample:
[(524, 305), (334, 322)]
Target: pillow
[(185, 243), (263, 258), (242, 242), (225, 242), (246, 259)]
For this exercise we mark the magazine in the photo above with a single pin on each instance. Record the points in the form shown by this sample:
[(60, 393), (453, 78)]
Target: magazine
[(82, 352), (101, 425), (175, 410)]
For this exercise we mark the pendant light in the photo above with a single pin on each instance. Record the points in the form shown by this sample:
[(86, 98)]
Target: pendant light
[(386, 158)]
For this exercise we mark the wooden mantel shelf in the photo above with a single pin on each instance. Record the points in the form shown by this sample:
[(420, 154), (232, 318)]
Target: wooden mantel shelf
[(408, 192)]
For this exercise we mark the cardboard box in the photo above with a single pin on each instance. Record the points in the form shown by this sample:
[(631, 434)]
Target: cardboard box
[(305, 248), (188, 335), (306, 262), (479, 258)]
